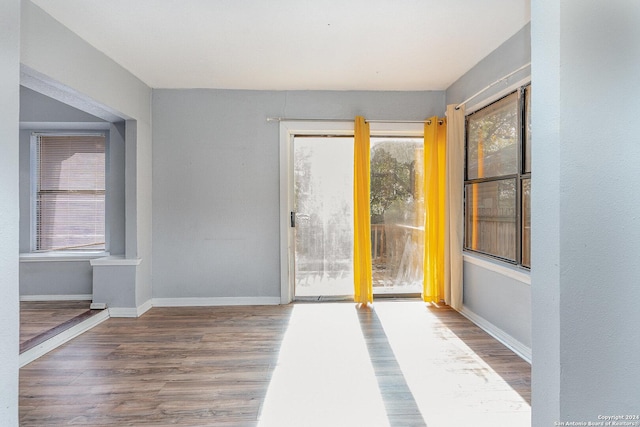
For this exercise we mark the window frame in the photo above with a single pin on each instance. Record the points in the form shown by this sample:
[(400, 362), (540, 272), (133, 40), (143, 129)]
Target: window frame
[(34, 165), (522, 91)]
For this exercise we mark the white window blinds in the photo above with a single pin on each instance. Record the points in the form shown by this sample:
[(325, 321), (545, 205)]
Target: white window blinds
[(70, 200)]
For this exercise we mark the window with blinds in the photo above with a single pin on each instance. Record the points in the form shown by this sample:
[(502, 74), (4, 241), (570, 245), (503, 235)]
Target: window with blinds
[(70, 193)]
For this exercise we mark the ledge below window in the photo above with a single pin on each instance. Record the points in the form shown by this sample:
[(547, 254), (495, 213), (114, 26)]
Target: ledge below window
[(115, 260), (508, 270), (61, 256)]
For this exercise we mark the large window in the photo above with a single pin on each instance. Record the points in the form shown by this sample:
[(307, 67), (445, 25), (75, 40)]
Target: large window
[(69, 192), (498, 179)]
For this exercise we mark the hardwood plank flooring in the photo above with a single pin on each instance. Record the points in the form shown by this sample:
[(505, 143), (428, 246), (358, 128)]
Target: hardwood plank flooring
[(38, 317), (402, 363)]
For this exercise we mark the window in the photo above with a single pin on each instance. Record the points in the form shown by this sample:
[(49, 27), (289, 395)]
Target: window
[(498, 179), (69, 192)]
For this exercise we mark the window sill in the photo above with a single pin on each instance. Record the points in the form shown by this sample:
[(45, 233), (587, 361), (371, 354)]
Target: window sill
[(61, 256), (505, 269), (115, 260)]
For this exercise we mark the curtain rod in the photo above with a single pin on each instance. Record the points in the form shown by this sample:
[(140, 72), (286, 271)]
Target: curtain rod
[(492, 85), (287, 119)]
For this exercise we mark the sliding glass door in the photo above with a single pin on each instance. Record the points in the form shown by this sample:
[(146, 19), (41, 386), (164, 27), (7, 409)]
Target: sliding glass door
[(323, 216), (397, 214)]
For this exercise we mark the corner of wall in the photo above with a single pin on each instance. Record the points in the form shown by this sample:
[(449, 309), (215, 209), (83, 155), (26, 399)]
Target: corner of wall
[(9, 209)]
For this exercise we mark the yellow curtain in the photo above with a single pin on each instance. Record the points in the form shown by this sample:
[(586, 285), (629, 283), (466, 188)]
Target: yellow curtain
[(474, 192), (435, 191), (363, 287)]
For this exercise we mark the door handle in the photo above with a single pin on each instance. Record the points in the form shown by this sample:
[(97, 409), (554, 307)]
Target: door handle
[(293, 219)]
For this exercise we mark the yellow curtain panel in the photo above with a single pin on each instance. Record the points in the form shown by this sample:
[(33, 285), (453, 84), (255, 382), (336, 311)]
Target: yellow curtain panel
[(474, 191), (363, 287), (435, 191)]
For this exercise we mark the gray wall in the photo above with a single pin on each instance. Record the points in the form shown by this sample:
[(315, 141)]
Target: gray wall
[(41, 114), (55, 278), (545, 296), (25, 198), (216, 181), (586, 340), (509, 56), (9, 210), (501, 300), (115, 197), (98, 85), (47, 48), (38, 108)]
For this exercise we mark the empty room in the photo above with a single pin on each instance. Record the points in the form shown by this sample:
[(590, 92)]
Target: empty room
[(319, 213)]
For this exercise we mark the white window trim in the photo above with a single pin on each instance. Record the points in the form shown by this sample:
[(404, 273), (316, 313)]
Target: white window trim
[(61, 256), (496, 96), (508, 270)]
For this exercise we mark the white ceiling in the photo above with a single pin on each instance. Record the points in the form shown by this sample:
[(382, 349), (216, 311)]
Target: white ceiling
[(294, 44)]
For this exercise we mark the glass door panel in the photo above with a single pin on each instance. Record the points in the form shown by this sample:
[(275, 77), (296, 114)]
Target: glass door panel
[(397, 214), (323, 204)]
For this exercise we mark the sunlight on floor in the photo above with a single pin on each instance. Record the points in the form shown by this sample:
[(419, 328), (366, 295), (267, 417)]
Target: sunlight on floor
[(467, 389), (324, 376)]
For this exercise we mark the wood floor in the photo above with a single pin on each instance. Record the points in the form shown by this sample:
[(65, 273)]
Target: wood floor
[(402, 363), (40, 320)]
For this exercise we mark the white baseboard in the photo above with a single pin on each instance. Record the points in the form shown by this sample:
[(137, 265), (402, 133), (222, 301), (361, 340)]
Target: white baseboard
[(513, 344), (76, 297), (142, 309), (130, 311), (123, 311), (190, 302), (208, 302), (56, 341)]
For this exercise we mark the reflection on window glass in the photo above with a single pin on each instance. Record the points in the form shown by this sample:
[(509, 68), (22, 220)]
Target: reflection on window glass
[(397, 214), (527, 128), (492, 139), (526, 222), (323, 189), (491, 218)]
